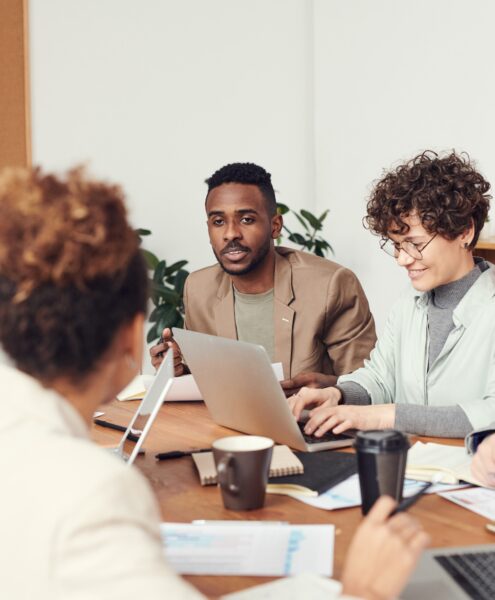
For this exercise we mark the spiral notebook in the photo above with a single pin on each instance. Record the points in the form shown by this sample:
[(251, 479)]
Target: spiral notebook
[(284, 462)]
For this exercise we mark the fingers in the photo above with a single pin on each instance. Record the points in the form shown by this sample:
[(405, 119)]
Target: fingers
[(305, 397), (326, 418), (167, 334), (381, 510)]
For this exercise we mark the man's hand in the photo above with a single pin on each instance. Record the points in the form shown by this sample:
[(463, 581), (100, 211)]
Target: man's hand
[(340, 418), (483, 465), (307, 379), (383, 553), (309, 398), (165, 344)]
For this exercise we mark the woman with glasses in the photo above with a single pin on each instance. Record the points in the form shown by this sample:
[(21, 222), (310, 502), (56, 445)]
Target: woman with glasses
[(432, 372)]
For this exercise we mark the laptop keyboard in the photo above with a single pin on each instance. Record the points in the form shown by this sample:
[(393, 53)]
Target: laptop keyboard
[(474, 572), (326, 437)]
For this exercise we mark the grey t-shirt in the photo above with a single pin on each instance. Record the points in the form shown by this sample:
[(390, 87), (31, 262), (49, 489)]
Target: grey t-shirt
[(254, 319)]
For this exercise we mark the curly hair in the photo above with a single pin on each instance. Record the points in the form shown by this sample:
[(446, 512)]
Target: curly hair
[(447, 194), (71, 271), (249, 174)]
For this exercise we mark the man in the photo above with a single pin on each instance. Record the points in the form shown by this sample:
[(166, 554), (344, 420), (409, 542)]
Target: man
[(309, 313)]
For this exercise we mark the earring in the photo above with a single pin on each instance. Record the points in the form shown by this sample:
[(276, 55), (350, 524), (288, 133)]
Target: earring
[(465, 245)]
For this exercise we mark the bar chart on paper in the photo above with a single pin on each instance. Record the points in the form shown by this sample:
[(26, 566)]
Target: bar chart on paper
[(253, 548)]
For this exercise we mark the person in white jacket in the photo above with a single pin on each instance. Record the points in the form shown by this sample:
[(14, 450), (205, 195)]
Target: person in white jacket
[(76, 522)]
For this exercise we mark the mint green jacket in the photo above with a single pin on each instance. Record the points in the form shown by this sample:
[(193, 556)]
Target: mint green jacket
[(463, 373)]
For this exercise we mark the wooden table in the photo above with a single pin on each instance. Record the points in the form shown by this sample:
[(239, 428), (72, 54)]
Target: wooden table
[(186, 425)]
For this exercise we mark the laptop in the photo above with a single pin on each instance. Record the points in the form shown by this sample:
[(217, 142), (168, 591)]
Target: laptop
[(454, 573), (241, 391), (148, 408)]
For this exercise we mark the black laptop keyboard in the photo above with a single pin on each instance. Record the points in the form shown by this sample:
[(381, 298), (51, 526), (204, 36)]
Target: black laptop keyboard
[(474, 572), (326, 437)]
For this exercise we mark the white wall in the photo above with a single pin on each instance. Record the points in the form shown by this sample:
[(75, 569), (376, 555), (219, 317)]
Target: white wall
[(323, 93), (393, 78), (159, 94)]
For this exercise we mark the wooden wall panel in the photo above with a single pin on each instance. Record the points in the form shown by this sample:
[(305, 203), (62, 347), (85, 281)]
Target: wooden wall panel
[(15, 135)]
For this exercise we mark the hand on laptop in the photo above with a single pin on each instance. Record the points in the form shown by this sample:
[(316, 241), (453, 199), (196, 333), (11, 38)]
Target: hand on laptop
[(341, 418), (165, 343), (307, 379), (383, 553), (308, 397), (483, 465)]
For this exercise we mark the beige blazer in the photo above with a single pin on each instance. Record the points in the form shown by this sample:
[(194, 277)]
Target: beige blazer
[(322, 321), (76, 522)]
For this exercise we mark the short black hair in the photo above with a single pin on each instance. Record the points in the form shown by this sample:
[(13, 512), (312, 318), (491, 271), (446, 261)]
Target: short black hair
[(248, 174)]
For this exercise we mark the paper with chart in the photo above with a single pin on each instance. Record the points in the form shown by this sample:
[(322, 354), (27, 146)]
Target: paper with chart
[(183, 388), (256, 548), (348, 494), (478, 500)]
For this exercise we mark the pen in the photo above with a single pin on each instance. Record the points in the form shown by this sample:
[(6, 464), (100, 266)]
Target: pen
[(131, 437), (179, 453), (408, 502)]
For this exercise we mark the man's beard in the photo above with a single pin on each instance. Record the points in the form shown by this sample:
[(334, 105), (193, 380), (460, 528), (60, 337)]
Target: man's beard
[(256, 260)]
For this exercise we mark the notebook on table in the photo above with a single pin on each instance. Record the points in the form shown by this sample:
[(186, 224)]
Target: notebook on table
[(284, 462), (445, 463), (242, 392)]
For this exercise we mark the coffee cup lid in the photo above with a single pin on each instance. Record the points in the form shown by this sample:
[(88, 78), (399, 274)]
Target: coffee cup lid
[(381, 440)]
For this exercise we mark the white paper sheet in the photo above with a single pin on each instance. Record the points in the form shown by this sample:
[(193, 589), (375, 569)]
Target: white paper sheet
[(478, 500), (291, 588), (264, 550), (183, 388), (348, 494)]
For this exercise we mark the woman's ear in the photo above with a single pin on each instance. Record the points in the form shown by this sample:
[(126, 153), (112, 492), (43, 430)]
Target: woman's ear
[(131, 341), (467, 236)]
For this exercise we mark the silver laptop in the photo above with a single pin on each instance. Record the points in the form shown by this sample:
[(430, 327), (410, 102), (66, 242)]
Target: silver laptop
[(454, 573), (148, 408), (241, 391)]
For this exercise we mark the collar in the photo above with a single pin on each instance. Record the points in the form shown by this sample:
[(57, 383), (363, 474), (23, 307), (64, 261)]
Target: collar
[(28, 400), (475, 299)]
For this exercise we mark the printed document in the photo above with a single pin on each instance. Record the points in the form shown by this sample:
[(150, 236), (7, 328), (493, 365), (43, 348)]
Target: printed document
[(253, 548)]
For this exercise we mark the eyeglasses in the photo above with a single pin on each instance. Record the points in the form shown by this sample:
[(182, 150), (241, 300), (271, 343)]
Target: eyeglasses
[(413, 250)]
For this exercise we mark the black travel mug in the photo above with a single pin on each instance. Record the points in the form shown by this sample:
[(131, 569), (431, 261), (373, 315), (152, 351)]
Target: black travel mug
[(381, 457)]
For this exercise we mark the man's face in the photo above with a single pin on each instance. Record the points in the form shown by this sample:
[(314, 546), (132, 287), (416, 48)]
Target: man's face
[(240, 228)]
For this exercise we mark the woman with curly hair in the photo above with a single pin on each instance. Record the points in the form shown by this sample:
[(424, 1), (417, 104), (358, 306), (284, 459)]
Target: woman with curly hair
[(76, 521), (432, 372)]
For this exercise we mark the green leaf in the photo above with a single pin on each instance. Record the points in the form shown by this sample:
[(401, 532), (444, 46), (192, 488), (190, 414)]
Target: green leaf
[(297, 238), (152, 334), (312, 220), (155, 315), (142, 232), (159, 272), (323, 215), (151, 260), (168, 296), (175, 267), (167, 318), (180, 322), (282, 209), (302, 221), (180, 280)]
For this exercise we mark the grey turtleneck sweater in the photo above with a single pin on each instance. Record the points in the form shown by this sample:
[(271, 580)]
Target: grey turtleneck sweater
[(441, 421)]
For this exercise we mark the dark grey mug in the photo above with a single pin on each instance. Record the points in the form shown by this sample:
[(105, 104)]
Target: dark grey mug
[(381, 457), (243, 464)]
